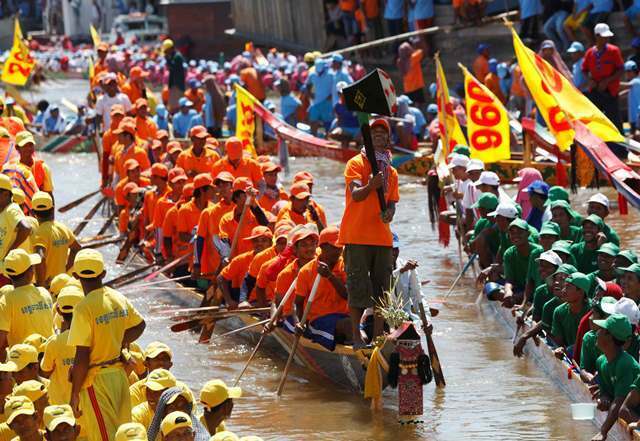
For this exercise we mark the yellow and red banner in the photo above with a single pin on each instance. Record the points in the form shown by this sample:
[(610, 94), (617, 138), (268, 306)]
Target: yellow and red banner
[(245, 118), (450, 131), (19, 64), (558, 100), (487, 122)]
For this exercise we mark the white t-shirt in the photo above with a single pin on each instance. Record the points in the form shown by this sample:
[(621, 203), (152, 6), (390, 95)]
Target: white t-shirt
[(104, 103), (470, 195)]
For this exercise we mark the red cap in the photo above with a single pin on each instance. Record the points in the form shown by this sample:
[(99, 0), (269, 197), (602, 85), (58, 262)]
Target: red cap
[(224, 176), (172, 146), (303, 233), (381, 122), (160, 170), (260, 231), (300, 190), (160, 134), (303, 176), (131, 187), (270, 167), (241, 184), (198, 132), (233, 146), (131, 164), (187, 191), (117, 109), (329, 235), (202, 180), (141, 102)]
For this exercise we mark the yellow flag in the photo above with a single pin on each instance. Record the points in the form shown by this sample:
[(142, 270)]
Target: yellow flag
[(450, 131), (487, 122), (245, 120), (95, 37), (558, 100), (19, 64)]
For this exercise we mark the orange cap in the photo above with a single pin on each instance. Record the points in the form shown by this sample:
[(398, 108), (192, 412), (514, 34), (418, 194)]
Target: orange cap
[(260, 231), (282, 231), (137, 72), (160, 170), (270, 167), (198, 132), (131, 164), (176, 174), (117, 109), (126, 126), (103, 47), (212, 141), (381, 122), (233, 147), (160, 134), (202, 180), (329, 235), (141, 102), (187, 191), (303, 233), (241, 184), (300, 190), (224, 176), (131, 187), (303, 176), (172, 146)]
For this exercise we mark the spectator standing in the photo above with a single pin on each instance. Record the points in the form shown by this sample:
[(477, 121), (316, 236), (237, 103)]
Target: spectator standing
[(481, 63), (371, 9), (409, 64), (175, 66), (289, 104), (603, 65), (492, 81), (424, 13), (553, 28), (574, 21), (214, 106), (576, 52), (249, 76), (348, 17), (393, 14), (635, 45), (630, 14), (340, 74), (321, 81), (599, 11), (632, 88), (530, 11)]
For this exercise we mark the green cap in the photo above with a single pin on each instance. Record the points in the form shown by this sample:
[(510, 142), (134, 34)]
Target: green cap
[(594, 219), (562, 204), (519, 223), (629, 255), (609, 248), (633, 268), (561, 246), (550, 229), (462, 150), (488, 201), (565, 268), (604, 301), (579, 280), (557, 193), (618, 326)]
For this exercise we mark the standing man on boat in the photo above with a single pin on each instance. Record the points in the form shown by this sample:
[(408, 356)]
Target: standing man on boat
[(111, 96), (365, 230), (175, 64)]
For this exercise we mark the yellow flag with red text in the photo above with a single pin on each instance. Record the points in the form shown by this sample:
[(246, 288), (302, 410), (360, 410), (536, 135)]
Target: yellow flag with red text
[(487, 122), (558, 100), (19, 64), (450, 131), (245, 118)]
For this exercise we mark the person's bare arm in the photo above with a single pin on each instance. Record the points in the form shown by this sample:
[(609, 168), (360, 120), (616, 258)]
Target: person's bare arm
[(360, 192), (77, 375), (41, 268), (73, 250), (133, 333), (23, 229)]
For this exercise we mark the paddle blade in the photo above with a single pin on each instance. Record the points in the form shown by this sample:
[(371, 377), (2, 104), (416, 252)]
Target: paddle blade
[(372, 94), (185, 326)]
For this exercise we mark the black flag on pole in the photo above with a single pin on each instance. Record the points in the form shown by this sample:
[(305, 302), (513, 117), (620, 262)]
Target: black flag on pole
[(372, 94)]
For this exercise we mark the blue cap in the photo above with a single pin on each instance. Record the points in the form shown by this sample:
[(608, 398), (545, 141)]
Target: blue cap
[(184, 102), (538, 187), (576, 46), (193, 82), (432, 108), (630, 66), (493, 65), (635, 43), (233, 78), (433, 89), (337, 58), (481, 47), (502, 70), (404, 99), (396, 240), (161, 110)]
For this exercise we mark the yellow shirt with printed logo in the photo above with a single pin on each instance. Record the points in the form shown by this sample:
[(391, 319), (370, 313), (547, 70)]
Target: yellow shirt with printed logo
[(55, 238), (58, 359), (24, 311), (142, 414), (9, 219)]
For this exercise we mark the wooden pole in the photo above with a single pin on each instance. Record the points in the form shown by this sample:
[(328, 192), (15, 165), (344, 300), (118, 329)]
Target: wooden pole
[(431, 348)]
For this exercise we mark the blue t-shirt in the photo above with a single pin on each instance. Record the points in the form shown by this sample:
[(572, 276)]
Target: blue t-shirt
[(582, 5), (634, 100), (338, 76), (162, 123), (231, 118), (579, 78), (208, 111), (322, 85), (529, 8), (394, 10), (424, 9), (288, 106), (420, 120), (182, 123), (601, 6)]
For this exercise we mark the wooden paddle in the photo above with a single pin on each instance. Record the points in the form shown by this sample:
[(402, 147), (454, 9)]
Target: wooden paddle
[(127, 278), (236, 235), (244, 328), (78, 229), (431, 348), (159, 282), (460, 274), (77, 202), (190, 324), (296, 340), (108, 222), (168, 266), (101, 243), (97, 237)]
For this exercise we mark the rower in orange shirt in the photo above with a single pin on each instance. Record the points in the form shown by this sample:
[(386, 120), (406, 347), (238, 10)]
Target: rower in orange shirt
[(307, 178), (273, 191), (133, 174), (129, 209), (101, 63), (159, 175), (26, 147), (146, 129), (158, 150), (131, 150), (328, 320), (238, 165), (174, 149), (135, 87), (254, 216), (198, 159), (232, 276), (177, 179), (109, 139), (173, 247), (299, 210)]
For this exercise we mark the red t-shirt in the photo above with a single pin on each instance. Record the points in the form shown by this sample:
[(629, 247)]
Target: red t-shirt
[(603, 64)]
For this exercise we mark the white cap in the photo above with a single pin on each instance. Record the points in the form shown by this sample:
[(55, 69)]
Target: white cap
[(458, 160), (601, 199), (505, 209), (603, 30), (488, 178), (474, 165), (551, 257), (624, 306)]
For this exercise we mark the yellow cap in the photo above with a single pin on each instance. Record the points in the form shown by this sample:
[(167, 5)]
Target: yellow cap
[(131, 432), (18, 195), (225, 435), (160, 379), (18, 405), (4, 133), (167, 44), (21, 355), (69, 297), (156, 348), (173, 421), (37, 341), (60, 281), (88, 264), (184, 392), (18, 261), (32, 389), (214, 392), (137, 354), (23, 138), (58, 414), (41, 201), (5, 182)]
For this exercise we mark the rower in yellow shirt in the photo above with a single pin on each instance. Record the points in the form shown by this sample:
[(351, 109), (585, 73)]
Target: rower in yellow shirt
[(60, 424), (103, 323), (6, 389), (13, 228), (37, 392), (22, 361), (53, 241), (157, 355), (58, 354), (217, 402), (22, 419), (27, 309), (156, 382)]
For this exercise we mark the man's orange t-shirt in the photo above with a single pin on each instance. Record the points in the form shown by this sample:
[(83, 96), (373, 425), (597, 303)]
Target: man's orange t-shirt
[(256, 264), (237, 269), (228, 226), (196, 96), (327, 300), (145, 128), (151, 198), (132, 91), (136, 152), (413, 79), (480, 67), (170, 229), (194, 165), (210, 258), (366, 213), (492, 81), (220, 209), (283, 282), (253, 84), (300, 219), (119, 196), (371, 8), (188, 217), (267, 203), (162, 207), (247, 168), (263, 282)]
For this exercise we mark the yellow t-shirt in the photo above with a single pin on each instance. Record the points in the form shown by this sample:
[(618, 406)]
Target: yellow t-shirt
[(9, 219), (56, 238), (100, 321), (24, 311), (142, 414), (6, 434), (58, 359)]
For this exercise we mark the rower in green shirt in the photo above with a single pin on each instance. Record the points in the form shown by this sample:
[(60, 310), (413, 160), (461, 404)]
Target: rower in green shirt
[(598, 204), (484, 240), (516, 262), (617, 370), (562, 214), (549, 233), (585, 251), (563, 249), (567, 316), (589, 352), (606, 258), (546, 265), (626, 258), (630, 281)]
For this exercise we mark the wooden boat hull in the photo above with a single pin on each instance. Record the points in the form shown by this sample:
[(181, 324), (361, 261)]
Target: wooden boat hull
[(65, 144), (560, 373)]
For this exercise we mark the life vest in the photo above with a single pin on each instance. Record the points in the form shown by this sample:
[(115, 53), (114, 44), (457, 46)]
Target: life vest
[(22, 178), (38, 172)]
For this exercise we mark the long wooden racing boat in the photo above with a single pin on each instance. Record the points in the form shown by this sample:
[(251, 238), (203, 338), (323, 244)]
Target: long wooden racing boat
[(65, 144), (561, 373)]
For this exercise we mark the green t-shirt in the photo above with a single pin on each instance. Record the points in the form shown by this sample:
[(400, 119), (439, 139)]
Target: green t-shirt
[(547, 311), (586, 259), (540, 297), (634, 346), (565, 323), (492, 237), (612, 235), (589, 352), (574, 236), (516, 266), (617, 377), (505, 242)]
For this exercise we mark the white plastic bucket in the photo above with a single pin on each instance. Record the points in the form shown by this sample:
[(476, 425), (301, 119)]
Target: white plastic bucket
[(583, 411)]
